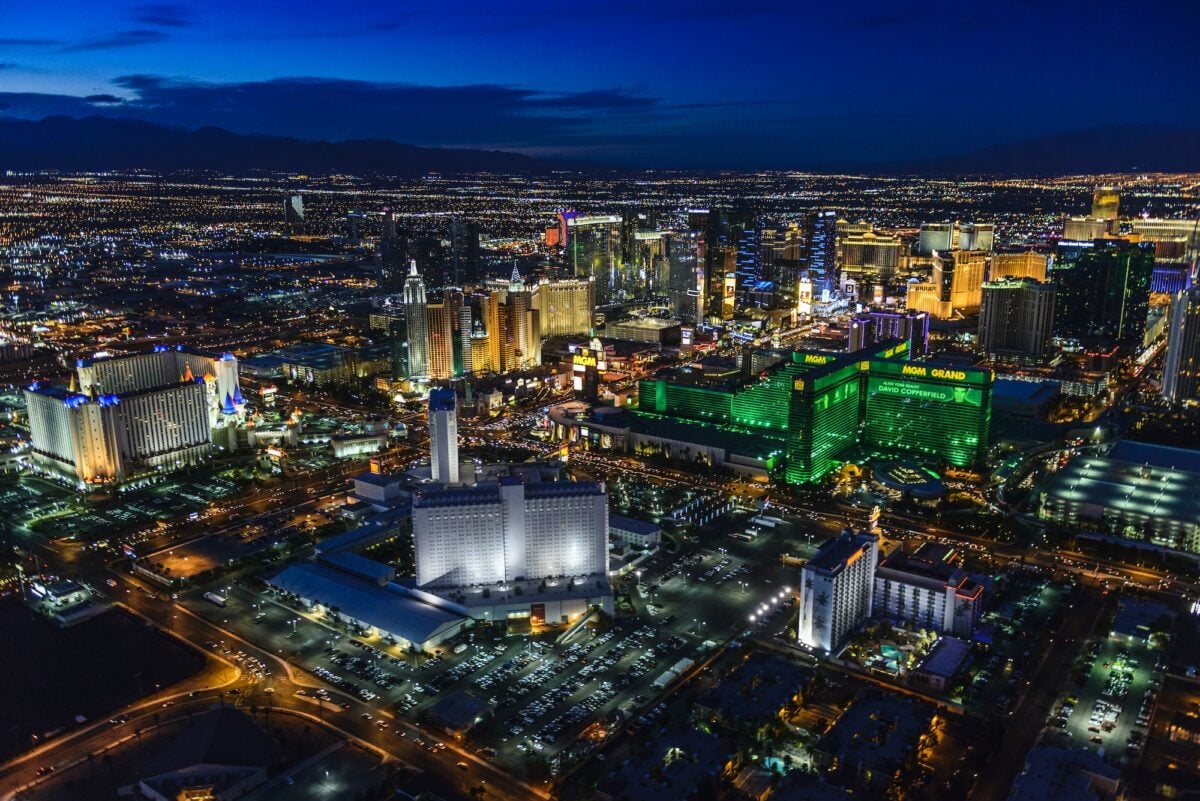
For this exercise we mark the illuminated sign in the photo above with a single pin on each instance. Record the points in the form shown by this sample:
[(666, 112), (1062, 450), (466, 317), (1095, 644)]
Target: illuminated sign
[(934, 372), (798, 385), (816, 358), (585, 360)]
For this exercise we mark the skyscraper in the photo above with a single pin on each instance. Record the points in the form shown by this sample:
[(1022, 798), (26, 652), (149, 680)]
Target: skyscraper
[(955, 287), (876, 325), (594, 251), (1103, 290), (1181, 369), (443, 435), (440, 319), (1106, 202), (685, 278), (565, 306), (466, 259), (821, 251), (837, 589), (293, 214), (1017, 265), (1016, 318), (418, 323)]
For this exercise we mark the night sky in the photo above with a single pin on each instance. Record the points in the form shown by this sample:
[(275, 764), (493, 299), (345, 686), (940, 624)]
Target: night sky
[(672, 84)]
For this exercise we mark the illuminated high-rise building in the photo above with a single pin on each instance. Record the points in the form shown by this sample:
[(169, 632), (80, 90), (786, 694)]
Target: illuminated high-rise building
[(1106, 203), (873, 326), (685, 276), (594, 251), (505, 530), (806, 409), (976, 236), (293, 214), (1016, 318), (955, 287), (443, 435), (440, 325), (1181, 367), (134, 415), (1085, 229), (565, 306), (1017, 265), (869, 256), (932, 410), (837, 587), (417, 323), (820, 258), (943, 236), (1103, 290)]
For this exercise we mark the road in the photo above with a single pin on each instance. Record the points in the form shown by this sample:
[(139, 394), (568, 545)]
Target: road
[(277, 691), (1045, 684)]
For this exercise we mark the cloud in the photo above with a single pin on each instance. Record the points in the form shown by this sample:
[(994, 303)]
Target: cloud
[(131, 38), (106, 100), (470, 115), (29, 42), (167, 15)]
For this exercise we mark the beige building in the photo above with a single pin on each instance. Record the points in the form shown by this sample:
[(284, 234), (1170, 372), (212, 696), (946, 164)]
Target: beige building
[(1018, 265), (565, 306), (954, 289)]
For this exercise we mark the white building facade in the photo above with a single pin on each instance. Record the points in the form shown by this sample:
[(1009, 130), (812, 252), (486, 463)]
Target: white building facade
[(505, 531), (836, 589)]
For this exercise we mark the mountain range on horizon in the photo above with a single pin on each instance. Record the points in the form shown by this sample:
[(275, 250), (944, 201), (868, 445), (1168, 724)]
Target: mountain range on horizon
[(105, 143)]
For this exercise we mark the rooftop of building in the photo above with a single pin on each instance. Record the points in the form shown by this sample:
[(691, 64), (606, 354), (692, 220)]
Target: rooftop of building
[(370, 529), (648, 323), (1135, 478), (379, 479), (761, 686), (390, 608), (458, 711), (1138, 618), (676, 764), (877, 731), (223, 736), (946, 658), (733, 439), (1060, 774), (488, 492), (623, 523), (354, 564), (837, 551)]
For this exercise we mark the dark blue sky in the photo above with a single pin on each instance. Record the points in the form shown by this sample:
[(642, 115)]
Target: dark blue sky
[(693, 84)]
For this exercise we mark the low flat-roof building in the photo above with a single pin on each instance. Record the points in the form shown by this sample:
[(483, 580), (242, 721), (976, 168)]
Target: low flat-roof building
[(1059, 774), (945, 660), (641, 533), (761, 690), (873, 738), (1137, 491), (355, 595), (220, 755)]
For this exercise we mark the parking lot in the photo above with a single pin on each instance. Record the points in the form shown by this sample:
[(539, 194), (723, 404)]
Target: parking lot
[(1109, 706)]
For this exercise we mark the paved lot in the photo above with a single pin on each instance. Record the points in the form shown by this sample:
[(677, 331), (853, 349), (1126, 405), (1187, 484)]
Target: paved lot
[(1109, 711)]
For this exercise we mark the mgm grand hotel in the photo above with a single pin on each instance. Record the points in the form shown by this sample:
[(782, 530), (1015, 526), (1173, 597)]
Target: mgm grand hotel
[(797, 414)]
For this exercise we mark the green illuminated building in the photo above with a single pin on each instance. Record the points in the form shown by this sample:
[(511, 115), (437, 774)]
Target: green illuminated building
[(817, 406), (945, 412)]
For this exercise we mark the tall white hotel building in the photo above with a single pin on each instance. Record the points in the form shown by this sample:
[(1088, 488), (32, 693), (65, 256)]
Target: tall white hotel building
[(515, 545), (836, 590), (129, 415)]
